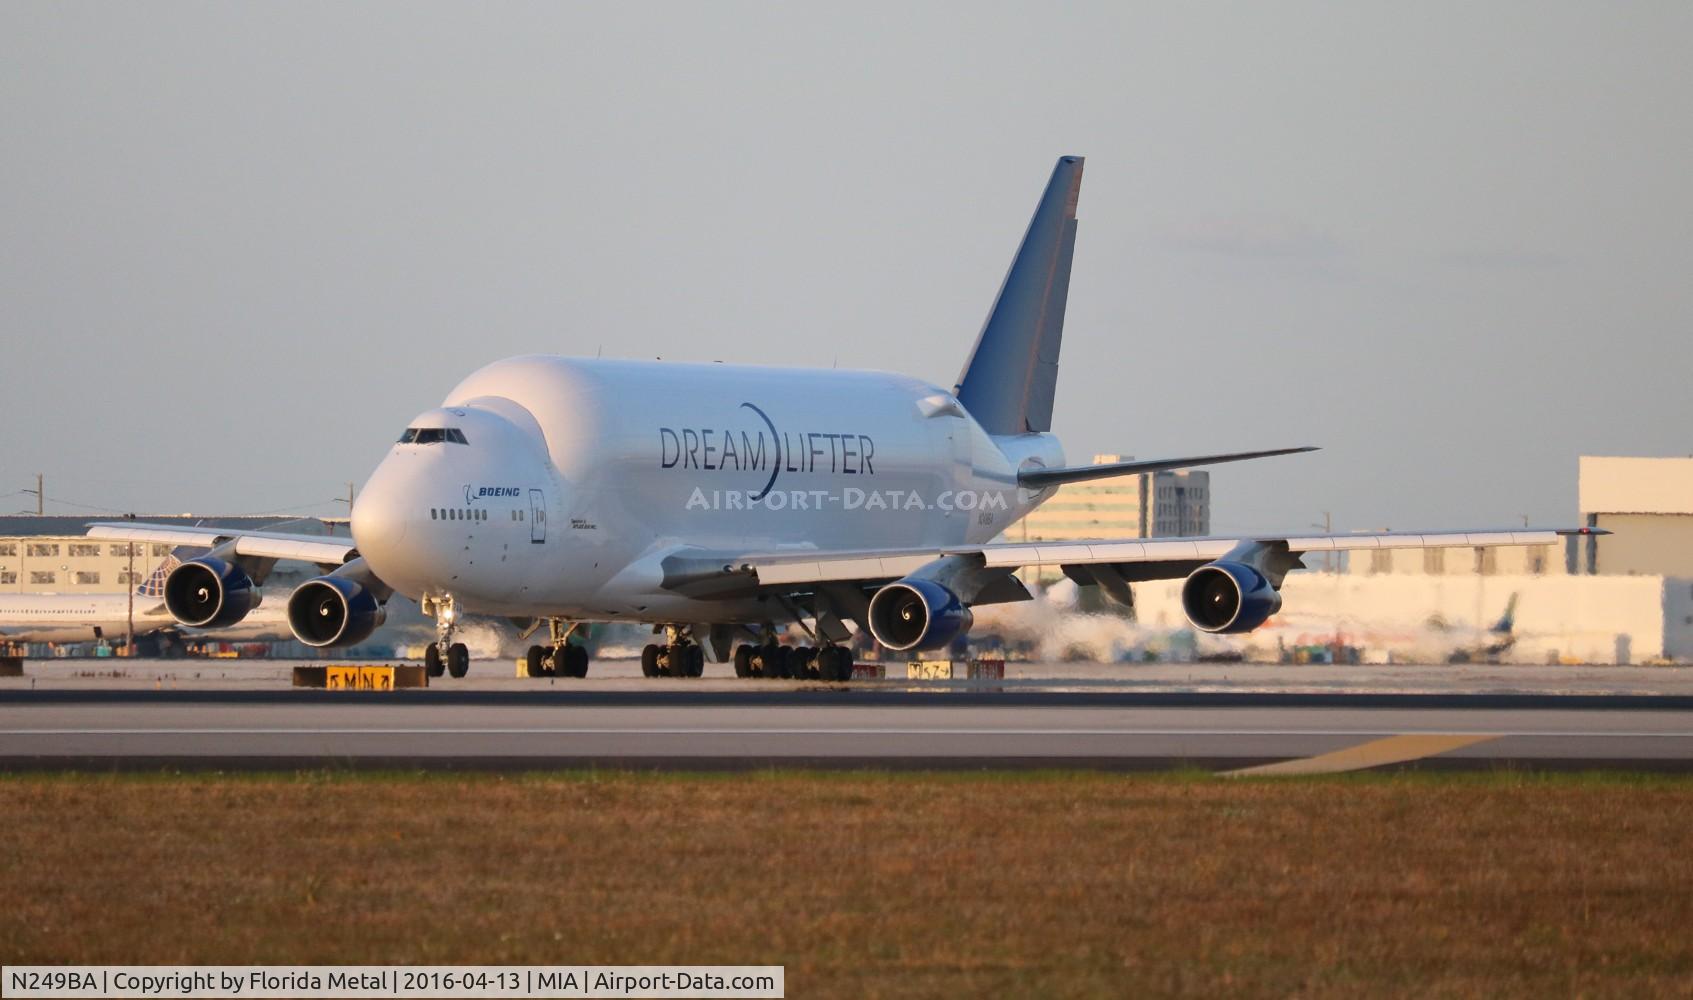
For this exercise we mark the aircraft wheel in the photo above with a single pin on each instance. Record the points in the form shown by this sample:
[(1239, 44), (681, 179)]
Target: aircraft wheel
[(696, 660), (535, 663), (804, 660), (649, 660), (432, 660), (842, 658), (576, 659), (778, 662), (743, 660), (458, 659)]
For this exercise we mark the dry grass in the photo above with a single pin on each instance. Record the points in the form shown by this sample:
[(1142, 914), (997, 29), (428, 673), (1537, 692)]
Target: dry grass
[(873, 885)]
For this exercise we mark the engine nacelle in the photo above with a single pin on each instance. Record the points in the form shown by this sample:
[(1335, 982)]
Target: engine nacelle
[(209, 593), (917, 614), (1228, 597), (333, 611)]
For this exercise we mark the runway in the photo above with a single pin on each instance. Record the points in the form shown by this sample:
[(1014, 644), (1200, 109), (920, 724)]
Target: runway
[(851, 726)]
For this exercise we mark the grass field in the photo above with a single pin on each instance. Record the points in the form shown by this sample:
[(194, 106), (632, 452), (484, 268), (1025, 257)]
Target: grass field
[(878, 884)]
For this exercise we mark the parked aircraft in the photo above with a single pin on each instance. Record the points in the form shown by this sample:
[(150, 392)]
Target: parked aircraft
[(1495, 642), (722, 502)]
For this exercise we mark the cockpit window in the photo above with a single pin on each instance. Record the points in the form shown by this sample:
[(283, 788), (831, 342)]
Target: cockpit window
[(432, 435)]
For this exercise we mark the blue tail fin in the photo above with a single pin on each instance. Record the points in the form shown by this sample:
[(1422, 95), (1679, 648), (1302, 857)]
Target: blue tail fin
[(1508, 620), (154, 584), (1008, 383)]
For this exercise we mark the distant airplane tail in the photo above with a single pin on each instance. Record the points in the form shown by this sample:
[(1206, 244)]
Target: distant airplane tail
[(154, 584), (1009, 382), (1508, 621)]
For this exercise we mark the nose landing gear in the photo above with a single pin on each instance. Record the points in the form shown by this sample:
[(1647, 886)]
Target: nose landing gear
[(444, 656), (679, 656), (558, 658)]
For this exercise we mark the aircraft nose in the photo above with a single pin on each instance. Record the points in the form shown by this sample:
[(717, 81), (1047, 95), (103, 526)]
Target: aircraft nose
[(380, 515)]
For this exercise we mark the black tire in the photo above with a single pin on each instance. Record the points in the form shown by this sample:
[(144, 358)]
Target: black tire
[(458, 659), (843, 662), (804, 661), (743, 660), (536, 662), (780, 662), (432, 661), (649, 660), (696, 660), (576, 657)]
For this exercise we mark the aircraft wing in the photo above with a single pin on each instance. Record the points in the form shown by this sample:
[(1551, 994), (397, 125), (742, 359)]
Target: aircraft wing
[(1133, 559), (319, 549)]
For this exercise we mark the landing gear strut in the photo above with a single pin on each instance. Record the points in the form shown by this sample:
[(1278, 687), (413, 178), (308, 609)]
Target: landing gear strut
[(558, 658), (444, 655), (678, 656)]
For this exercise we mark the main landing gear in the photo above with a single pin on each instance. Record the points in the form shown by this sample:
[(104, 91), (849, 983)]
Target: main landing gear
[(828, 662), (558, 658), (679, 655), (444, 655)]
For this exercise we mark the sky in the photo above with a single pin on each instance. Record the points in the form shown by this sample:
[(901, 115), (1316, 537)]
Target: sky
[(1452, 244)]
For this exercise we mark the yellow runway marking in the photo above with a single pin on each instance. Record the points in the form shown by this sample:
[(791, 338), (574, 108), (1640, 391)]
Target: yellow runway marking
[(1392, 750)]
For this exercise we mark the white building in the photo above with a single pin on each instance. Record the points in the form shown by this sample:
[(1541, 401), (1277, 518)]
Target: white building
[(52, 554), (1422, 618), (1645, 503)]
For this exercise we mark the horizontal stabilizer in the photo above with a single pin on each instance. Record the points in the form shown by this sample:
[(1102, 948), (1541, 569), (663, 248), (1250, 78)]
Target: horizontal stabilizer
[(1035, 479)]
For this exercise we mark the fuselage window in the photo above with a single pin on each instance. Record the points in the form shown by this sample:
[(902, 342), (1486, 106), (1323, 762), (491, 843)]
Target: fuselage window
[(432, 513)]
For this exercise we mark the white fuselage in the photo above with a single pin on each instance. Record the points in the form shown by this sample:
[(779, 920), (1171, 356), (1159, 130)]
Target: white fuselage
[(566, 481), (88, 617)]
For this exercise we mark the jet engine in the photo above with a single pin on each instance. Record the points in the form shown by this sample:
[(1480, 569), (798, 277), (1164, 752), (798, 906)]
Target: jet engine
[(917, 614), (333, 611), (1228, 597), (209, 593)]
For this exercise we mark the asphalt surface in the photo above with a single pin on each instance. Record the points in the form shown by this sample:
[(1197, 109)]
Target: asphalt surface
[(75, 722)]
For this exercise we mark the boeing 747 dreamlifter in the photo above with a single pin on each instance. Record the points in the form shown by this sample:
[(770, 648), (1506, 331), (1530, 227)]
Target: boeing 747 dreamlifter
[(722, 501)]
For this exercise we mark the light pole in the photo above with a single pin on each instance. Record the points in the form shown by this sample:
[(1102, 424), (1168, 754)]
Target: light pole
[(352, 495), (1328, 529), (40, 496), (129, 638)]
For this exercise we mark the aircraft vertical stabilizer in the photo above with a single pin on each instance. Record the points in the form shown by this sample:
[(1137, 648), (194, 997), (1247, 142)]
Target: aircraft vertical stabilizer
[(1008, 383)]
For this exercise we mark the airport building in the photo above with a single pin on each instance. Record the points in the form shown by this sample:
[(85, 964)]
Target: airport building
[(1646, 504), (1622, 597), (1148, 505), (51, 554), (1558, 618)]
